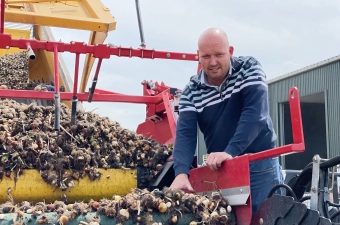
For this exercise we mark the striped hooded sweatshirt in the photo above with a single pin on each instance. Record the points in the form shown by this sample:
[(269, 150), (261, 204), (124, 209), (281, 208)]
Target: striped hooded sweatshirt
[(233, 117)]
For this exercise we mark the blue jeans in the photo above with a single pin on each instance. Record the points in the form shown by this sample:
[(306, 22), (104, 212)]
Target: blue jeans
[(264, 175)]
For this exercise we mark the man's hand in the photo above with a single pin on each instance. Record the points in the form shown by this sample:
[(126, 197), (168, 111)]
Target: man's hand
[(170, 159), (181, 182), (215, 159)]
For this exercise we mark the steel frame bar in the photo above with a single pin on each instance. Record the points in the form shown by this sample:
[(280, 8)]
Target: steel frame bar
[(140, 25), (314, 189), (297, 131)]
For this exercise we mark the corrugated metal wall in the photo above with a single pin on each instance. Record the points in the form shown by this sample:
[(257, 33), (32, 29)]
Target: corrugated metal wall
[(325, 79)]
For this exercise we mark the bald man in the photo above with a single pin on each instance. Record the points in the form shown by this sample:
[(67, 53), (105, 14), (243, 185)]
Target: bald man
[(228, 98)]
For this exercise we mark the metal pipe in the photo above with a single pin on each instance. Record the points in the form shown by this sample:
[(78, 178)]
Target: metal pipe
[(57, 93), (95, 79), (2, 19), (140, 25), (30, 52), (75, 87)]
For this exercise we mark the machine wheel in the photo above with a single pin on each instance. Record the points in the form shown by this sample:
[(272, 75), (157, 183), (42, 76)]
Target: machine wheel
[(283, 210)]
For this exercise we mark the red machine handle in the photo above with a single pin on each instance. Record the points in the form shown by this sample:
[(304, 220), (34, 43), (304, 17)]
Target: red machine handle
[(298, 144)]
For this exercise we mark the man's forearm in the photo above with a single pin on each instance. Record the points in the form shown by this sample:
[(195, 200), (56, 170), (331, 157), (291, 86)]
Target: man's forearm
[(185, 143)]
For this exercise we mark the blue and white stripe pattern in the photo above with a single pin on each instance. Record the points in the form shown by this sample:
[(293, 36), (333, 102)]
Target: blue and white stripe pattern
[(198, 93)]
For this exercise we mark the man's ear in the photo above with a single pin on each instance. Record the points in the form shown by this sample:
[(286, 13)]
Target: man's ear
[(231, 51)]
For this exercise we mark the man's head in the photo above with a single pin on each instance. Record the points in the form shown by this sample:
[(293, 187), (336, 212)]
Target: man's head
[(214, 54)]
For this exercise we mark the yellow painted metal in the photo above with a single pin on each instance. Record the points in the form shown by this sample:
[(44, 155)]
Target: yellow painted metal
[(81, 14), (16, 33), (42, 68), (95, 38), (31, 187)]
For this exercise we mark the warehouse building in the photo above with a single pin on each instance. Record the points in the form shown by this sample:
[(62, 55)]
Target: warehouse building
[(319, 88)]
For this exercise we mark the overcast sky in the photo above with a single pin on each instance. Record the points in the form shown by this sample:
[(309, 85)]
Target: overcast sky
[(283, 35)]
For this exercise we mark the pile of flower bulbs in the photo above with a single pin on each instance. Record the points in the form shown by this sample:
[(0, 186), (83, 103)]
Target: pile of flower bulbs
[(14, 72), (138, 206), (28, 141)]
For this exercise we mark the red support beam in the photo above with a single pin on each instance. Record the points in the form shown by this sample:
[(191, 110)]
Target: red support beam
[(100, 91), (24, 94), (76, 72), (298, 144), (2, 17), (56, 68), (98, 50)]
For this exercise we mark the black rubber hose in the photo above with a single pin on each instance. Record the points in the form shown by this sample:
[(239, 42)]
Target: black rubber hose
[(331, 162), (305, 176), (334, 215), (74, 110), (304, 199), (93, 87), (321, 194), (284, 186), (302, 181), (333, 204), (324, 201)]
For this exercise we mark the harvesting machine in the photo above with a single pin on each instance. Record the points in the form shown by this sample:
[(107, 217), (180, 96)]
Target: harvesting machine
[(232, 180)]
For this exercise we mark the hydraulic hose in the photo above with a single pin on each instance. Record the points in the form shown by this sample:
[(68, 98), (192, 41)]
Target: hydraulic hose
[(284, 186), (304, 199), (305, 176), (334, 215)]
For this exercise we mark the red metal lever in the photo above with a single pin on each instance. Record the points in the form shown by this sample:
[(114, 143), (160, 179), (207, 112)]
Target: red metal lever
[(298, 144), (2, 17)]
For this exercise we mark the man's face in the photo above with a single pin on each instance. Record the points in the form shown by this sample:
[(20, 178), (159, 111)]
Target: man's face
[(214, 56)]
